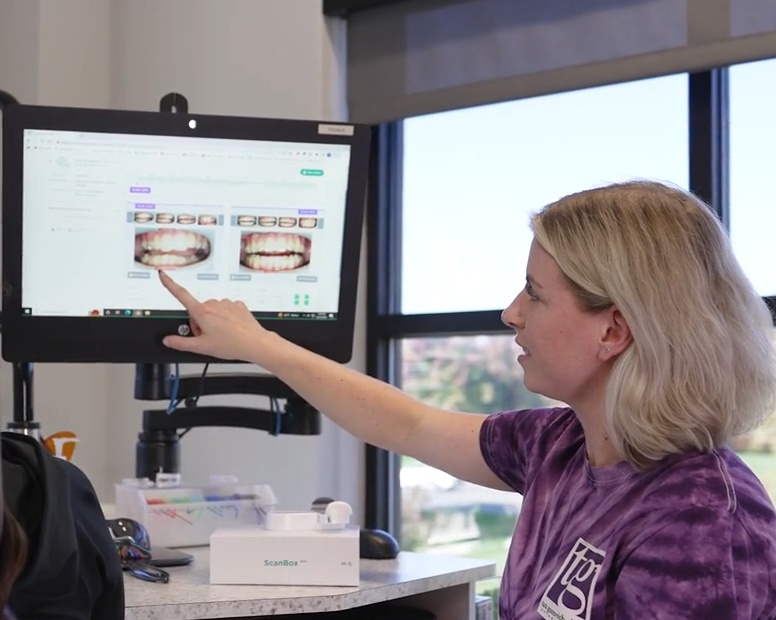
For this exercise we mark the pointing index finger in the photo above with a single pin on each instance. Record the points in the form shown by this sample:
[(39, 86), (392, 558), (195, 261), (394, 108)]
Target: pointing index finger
[(180, 293)]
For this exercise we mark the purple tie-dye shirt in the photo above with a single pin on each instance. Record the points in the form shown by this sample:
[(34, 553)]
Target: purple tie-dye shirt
[(694, 538)]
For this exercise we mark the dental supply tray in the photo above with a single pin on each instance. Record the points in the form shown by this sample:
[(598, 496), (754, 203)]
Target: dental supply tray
[(186, 516)]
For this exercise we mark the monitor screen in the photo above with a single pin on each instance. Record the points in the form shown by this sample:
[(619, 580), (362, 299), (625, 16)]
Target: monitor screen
[(95, 202)]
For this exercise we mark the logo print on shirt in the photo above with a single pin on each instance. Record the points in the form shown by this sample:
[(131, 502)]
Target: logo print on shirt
[(570, 593)]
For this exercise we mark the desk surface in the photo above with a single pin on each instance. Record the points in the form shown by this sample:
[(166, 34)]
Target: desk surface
[(190, 595)]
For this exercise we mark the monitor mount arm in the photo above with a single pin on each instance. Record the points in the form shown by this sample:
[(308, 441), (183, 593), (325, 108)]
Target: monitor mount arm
[(158, 448), (22, 371)]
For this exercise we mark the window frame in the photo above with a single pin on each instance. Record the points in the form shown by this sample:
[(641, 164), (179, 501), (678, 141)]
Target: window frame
[(708, 139)]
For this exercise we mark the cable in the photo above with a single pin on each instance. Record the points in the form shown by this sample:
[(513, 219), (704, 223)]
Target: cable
[(174, 402), (192, 401), (274, 407)]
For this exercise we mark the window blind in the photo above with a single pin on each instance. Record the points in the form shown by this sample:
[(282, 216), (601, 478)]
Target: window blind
[(423, 56)]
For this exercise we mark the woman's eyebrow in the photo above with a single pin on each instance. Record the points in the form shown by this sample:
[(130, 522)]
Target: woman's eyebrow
[(532, 281)]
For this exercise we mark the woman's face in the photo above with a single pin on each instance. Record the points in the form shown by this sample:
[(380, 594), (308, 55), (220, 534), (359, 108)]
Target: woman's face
[(562, 343)]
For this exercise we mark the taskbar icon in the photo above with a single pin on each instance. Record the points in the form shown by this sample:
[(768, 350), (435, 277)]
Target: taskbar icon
[(122, 312)]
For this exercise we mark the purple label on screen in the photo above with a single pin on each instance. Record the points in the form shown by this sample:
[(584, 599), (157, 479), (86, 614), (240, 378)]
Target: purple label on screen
[(138, 189), (307, 211), (145, 205)]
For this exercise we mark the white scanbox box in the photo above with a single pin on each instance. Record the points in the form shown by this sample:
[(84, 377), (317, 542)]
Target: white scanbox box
[(257, 556), (189, 524)]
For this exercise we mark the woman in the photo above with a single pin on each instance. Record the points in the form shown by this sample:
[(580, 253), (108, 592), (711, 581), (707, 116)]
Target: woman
[(636, 314)]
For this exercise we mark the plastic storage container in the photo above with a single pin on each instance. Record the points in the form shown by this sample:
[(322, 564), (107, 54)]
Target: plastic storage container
[(177, 515)]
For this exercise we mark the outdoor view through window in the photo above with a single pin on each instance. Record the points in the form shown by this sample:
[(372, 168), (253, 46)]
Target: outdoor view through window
[(471, 178)]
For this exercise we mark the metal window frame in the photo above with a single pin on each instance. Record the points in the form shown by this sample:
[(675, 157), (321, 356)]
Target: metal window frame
[(708, 109), (343, 8)]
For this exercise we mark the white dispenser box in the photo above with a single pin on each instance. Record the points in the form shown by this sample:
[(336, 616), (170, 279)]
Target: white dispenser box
[(290, 549), (177, 515)]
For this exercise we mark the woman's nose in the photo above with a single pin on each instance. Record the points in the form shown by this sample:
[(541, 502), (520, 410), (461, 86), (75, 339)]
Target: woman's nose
[(511, 315)]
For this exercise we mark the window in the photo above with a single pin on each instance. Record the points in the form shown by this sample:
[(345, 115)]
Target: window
[(752, 160), (440, 513), (758, 451), (753, 215), (470, 179)]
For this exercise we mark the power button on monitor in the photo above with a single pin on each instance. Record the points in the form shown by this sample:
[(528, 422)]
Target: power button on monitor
[(184, 329)]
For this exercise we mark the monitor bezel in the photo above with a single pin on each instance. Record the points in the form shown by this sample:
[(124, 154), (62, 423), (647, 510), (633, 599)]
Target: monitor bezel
[(139, 340)]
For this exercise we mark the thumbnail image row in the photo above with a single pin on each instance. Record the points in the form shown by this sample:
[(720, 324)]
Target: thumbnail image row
[(263, 221), (187, 219), (267, 252), (271, 221)]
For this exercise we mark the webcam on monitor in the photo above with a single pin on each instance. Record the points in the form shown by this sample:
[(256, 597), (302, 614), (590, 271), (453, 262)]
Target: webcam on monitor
[(95, 202)]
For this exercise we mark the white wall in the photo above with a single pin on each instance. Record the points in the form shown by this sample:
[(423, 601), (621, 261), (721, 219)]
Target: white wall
[(273, 58)]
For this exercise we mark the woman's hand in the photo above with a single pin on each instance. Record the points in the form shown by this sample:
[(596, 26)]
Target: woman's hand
[(223, 329)]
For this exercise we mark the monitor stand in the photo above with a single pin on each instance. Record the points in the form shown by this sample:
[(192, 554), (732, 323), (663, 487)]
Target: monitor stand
[(22, 402), (158, 445), (158, 448), (22, 371)]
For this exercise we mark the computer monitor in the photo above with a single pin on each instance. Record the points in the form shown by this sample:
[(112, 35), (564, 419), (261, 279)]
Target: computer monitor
[(265, 211)]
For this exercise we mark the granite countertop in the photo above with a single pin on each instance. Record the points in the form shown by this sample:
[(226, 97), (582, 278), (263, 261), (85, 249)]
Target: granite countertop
[(189, 594)]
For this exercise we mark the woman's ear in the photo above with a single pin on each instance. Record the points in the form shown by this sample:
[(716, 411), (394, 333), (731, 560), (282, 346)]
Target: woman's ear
[(617, 334)]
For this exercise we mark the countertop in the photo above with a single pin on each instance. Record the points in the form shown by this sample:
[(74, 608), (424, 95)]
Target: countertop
[(189, 594)]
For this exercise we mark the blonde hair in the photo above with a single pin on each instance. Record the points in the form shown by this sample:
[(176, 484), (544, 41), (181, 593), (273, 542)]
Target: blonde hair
[(701, 368)]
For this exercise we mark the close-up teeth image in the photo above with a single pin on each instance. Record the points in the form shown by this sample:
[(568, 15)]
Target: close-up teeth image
[(171, 248), (246, 220), (273, 252)]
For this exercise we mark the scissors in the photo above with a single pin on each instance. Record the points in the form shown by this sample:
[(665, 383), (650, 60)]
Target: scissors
[(134, 548)]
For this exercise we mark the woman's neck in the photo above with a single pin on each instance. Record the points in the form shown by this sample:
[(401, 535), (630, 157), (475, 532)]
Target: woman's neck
[(600, 449)]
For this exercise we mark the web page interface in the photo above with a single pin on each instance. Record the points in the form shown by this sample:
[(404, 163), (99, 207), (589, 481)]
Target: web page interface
[(257, 221)]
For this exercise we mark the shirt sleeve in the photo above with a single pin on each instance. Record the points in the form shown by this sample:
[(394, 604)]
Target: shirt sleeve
[(515, 443), (701, 564)]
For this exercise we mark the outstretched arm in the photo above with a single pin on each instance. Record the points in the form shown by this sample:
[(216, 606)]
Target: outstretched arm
[(383, 415), (371, 410)]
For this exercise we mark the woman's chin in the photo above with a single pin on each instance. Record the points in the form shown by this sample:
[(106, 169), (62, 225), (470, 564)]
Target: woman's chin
[(532, 384), (528, 380)]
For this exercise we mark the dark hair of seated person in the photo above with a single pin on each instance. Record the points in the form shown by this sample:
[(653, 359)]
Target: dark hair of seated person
[(71, 570), (13, 552)]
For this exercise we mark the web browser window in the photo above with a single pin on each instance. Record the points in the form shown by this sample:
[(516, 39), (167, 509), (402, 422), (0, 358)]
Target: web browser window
[(257, 221)]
